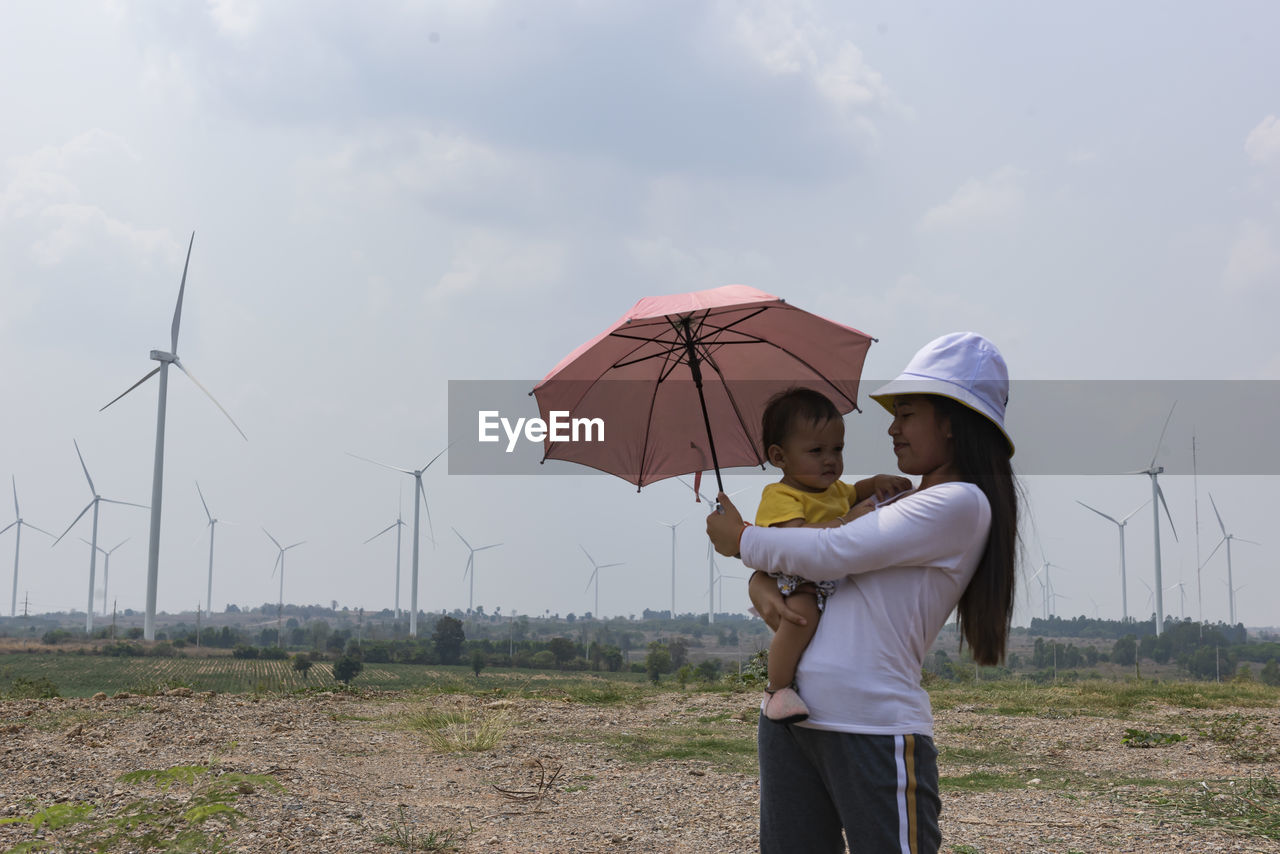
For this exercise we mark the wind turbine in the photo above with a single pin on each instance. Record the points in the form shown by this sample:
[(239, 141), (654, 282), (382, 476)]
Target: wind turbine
[(418, 492), (1227, 538), (672, 526), (1047, 583), (1151, 594), (280, 565), (1157, 498), (720, 577), (106, 568), (213, 526), (471, 567), (157, 478), (399, 525), (93, 551), (1119, 523), (17, 544), (595, 576), (711, 568), (1182, 591)]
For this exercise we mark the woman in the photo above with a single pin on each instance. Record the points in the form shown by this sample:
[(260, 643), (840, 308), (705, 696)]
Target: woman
[(864, 761)]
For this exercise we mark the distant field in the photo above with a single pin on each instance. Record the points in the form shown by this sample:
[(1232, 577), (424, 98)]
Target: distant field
[(85, 675)]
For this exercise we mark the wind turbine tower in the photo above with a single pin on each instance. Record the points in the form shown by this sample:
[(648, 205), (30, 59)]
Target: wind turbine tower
[(106, 568), (213, 526), (1119, 523), (471, 567), (398, 524), (280, 566), (157, 478), (673, 526), (17, 544), (93, 550), (1157, 498), (595, 576), (1227, 538), (418, 492)]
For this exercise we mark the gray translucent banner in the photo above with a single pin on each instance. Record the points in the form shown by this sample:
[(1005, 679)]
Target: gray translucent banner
[(1060, 427)]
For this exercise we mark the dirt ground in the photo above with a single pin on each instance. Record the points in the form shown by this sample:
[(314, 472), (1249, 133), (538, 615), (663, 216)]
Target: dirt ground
[(570, 777)]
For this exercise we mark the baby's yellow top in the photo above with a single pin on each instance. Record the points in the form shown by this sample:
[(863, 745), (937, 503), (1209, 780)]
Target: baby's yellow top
[(782, 503)]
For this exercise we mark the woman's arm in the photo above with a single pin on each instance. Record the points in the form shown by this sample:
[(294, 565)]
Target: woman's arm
[(929, 528)]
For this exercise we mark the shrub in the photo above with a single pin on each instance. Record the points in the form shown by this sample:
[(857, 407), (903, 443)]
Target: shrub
[(347, 668), (40, 688)]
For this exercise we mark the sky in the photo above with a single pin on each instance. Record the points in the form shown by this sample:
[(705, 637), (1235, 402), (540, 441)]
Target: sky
[(392, 196)]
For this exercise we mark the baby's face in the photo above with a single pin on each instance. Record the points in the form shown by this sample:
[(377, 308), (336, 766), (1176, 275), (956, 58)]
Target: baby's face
[(812, 455)]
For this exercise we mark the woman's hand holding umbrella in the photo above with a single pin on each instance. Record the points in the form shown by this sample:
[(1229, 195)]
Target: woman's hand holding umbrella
[(725, 530)]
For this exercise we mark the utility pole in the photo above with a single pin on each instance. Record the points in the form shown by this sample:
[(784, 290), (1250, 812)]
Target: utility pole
[(199, 608), (113, 618)]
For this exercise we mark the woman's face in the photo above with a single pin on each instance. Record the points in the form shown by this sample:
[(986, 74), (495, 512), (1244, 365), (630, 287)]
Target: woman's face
[(921, 442)]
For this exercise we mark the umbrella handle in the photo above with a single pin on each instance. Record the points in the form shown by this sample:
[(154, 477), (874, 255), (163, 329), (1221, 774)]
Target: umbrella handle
[(719, 508)]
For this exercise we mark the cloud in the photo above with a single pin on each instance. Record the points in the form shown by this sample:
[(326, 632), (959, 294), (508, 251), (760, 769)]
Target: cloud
[(979, 201), (494, 263), (788, 40), (1263, 142), (1253, 258), (48, 216), (664, 86)]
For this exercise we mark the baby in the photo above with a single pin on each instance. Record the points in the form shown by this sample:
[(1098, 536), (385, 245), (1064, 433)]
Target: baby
[(804, 437)]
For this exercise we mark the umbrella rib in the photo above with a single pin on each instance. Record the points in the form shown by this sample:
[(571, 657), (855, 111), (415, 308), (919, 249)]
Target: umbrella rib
[(648, 422), (737, 411)]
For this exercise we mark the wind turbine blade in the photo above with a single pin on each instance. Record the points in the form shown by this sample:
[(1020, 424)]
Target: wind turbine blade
[(73, 524), (1243, 540), (494, 546), (437, 456), (376, 463), (431, 531), (607, 565), (279, 557), (34, 528), (118, 545), (92, 488), (203, 502), (470, 561), (591, 579), (1219, 515), (177, 364), (7, 527), (1162, 432), (17, 514), (1167, 515), (1214, 552), (380, 533), (464, 539), (149, 375), (1135, 510), (587, 553), (177, 311), (1095, 510), (273, 539), (125, 503), (295, 545)]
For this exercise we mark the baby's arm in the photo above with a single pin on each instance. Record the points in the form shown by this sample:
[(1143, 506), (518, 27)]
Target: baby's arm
[(881, 486)]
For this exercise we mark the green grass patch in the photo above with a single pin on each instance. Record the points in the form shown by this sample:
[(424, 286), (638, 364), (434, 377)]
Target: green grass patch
[(1245, 807), (461, 730), (995, 755), (982, 781), (1096, 697), (726, 746)]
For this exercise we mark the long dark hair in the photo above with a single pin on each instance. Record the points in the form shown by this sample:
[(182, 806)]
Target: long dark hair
[(980, 455)]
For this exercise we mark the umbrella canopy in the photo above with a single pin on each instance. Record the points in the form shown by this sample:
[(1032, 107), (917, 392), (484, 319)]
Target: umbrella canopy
[(680, 382)]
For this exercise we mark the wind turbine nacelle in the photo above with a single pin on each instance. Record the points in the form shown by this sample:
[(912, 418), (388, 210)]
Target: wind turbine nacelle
[(162, 356)]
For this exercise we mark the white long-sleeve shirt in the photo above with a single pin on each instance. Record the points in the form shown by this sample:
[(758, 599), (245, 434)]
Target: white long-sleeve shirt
[(900, 572)]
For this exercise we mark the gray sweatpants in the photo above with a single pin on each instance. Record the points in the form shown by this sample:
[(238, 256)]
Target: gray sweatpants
[(881, 790)]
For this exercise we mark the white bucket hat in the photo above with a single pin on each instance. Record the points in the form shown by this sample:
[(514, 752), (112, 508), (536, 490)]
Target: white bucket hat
[(962, 366)]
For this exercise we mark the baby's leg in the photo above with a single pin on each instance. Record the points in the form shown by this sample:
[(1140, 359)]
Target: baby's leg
[(790, 641)]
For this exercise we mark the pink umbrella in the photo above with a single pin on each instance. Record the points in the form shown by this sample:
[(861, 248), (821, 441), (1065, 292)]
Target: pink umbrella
[(680, 382)]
